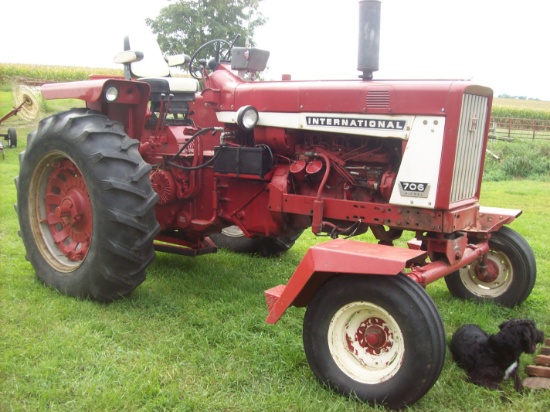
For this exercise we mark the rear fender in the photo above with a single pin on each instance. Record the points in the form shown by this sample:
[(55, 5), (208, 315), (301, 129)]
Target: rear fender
[(332, 258), (129, 108)]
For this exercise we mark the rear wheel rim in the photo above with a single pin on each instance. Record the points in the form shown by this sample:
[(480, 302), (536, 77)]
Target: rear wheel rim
[(60, 212), (366, 342)]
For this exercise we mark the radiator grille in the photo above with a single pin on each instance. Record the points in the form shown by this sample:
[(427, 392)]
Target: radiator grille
[(469, 147)]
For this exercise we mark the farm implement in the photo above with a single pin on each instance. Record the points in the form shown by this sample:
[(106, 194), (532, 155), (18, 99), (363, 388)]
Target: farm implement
[(26, 105), (155, 164), (11, 135)]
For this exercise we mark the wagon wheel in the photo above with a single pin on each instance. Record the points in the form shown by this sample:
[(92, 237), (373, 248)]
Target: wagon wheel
[(379, 338), (86, 206), (31, 110), (511, 272)]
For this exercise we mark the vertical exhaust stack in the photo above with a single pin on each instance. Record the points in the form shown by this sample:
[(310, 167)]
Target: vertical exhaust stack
[(369, 37)]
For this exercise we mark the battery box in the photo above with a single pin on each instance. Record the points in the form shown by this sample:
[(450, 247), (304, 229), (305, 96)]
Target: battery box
[(255, 161)]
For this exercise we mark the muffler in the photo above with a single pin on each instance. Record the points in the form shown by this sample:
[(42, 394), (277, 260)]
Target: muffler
[(369, 37)]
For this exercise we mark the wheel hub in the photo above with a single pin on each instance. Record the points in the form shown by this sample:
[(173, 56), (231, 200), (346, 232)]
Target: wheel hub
[(487, 273), (373, 335), (68, 210)]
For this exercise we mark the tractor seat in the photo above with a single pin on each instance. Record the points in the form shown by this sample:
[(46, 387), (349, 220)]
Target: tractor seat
[(184, 85), (154, 65), (182, 91), (154, 69)]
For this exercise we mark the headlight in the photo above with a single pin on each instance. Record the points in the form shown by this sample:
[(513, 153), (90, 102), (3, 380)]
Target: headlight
[(111, 94), (247, 117)]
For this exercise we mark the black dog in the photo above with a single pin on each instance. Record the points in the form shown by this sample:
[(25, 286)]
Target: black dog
[(491, 359)]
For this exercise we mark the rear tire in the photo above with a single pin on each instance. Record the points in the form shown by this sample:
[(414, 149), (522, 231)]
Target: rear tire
[(86, 206), (379, 338), (511, 263)]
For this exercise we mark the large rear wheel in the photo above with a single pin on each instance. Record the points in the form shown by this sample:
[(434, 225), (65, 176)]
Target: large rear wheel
[(510, 275), (379, 338), (86, 206)]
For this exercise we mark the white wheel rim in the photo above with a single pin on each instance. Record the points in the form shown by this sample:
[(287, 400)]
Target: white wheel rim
[(366, 343), (232, 231), (499, 266)]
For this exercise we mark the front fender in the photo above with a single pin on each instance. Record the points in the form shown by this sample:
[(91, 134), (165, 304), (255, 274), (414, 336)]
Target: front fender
[(338, 256), (491, 219), (92, 90), (129, 108)]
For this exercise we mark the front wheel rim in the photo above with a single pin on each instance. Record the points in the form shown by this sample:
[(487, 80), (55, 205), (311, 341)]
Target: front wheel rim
[(60, 212), (500, 271), (366, 342)]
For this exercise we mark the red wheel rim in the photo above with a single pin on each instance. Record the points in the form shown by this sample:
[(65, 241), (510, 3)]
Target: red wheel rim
[(69, 209), (60, 212)]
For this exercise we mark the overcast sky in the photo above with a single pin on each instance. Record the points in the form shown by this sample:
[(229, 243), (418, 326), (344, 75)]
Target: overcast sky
[(498, 44)]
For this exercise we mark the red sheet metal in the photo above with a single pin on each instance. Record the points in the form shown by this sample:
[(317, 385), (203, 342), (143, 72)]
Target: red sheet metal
[(340, 256)]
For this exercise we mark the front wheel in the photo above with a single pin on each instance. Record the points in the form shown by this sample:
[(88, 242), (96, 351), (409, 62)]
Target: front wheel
[(511, 272), (86, 206), (379, 338)]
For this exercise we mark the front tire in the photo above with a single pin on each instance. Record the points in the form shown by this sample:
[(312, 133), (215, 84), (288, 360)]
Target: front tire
[(379, 338), (86, 206), (512, 272)]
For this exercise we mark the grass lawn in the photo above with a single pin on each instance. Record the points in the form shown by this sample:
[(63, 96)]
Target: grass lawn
[(192, 337)]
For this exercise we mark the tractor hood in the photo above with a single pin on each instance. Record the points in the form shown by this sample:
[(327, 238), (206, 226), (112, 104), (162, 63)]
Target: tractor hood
[(353, 104), (351, 96)]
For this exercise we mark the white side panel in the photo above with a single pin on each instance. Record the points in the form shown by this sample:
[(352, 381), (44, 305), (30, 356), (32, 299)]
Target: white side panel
[(416, 183), (356, 124), (285, 120)]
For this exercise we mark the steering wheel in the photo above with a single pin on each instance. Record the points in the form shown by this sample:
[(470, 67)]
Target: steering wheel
[(196, 67)]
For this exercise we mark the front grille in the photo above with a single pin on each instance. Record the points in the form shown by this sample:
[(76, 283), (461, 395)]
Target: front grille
[(469, 149)]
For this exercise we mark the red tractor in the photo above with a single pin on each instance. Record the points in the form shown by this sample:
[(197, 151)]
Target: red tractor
[(152, 163)]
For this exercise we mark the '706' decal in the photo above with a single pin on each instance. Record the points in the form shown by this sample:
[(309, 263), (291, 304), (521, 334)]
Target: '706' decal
[(413, 189)]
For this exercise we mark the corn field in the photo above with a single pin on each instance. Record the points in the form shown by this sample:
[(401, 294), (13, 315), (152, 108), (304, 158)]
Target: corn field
[(33, 74)]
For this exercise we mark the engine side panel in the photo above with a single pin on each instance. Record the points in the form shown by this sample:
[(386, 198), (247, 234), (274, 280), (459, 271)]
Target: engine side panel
[(417, 179)]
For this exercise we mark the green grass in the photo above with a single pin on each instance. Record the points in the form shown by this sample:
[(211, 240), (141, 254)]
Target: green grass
[(193, 336), (518, 159)]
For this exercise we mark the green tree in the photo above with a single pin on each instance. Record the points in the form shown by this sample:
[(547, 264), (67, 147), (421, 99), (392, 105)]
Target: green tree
[(184, 25)]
